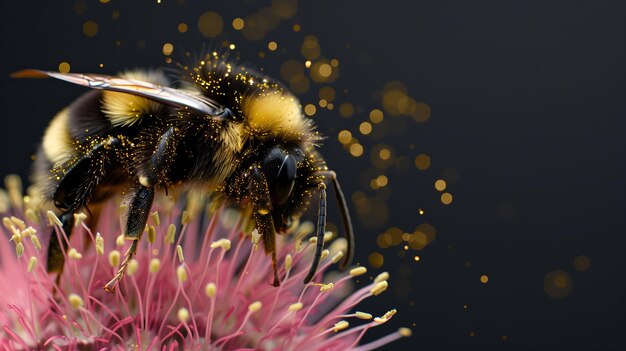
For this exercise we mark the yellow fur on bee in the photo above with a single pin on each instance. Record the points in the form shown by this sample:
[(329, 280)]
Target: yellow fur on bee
[(126, 109), (57, 141), (276, 114)]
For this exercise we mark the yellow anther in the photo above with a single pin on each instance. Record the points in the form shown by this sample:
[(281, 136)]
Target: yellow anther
[(155, 265), (223, 243), (255, 306), (133, 266), (210, 290), (171, 232), (363, 315), (18, 222), (406, 332), (179, 252), (355, 272), (186, 218), (16, 238), (114, 258), (155, 218), (76, 301), (328, 236), (337, 256), (53, 219), (30, 231), (79, 218), (183, 315), (313, 240), (19, 249), (99, 244), (379, 288), (255, 237), (151, 234), (326, 287), (181, 273), (119, 241), (294, 307), (288, 262), (324, 254), (381, 277), (385, 318), (74, 254), (31, 263), (6, 221), (341, 325)]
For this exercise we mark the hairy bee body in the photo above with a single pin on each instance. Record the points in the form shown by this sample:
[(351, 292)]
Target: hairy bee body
[(226, 132)]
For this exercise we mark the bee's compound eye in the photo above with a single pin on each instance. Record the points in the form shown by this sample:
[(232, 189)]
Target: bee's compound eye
[(285, 180)]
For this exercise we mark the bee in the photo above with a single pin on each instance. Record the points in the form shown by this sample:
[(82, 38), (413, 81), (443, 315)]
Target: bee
[(225, 131)]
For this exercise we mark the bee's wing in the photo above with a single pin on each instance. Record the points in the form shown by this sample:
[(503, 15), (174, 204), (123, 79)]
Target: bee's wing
[(158, 93)]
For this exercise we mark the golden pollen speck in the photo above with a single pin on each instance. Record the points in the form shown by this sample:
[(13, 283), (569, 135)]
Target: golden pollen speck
[(272, 46), (238, 23), (440, 185), (168, 49), (182, 27), (64, 67), (484, 279), (231, 46), (420, 211), (101, 65), (307, 64), (416, 258), (90, 28)]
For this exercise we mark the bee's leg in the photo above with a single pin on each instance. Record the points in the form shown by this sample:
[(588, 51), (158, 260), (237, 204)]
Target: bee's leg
[(321, 229), (263, 216), (138, 212), (73, 191)]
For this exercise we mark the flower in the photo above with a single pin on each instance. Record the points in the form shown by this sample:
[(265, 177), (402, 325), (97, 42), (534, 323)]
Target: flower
[(192, 285)]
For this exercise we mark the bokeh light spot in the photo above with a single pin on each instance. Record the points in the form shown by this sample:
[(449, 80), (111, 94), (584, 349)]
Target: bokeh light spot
[(64, 67), (168, 48), (557, 284), (210, 24), (376, 260), (446, 198), (484, 279), (582, 263), (440, 185), (238, 23), (90, 28)]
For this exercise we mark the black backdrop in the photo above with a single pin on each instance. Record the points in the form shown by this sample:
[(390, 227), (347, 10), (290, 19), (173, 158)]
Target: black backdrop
[(528, 110)]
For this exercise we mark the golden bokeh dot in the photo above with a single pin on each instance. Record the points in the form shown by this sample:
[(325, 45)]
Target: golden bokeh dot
[(310, 109), (422, 162), (416, 258), (344, 136), (356, 150), (272, 46), (299, 83), (80, 7), (284, 8), (115, 15), (422, 112), (291, 68), (238, 23), (440, 185), (307, 64), (104, 1), (582, 263), (323, 103), (231, 46), (376, 260), (168, 48), (382, 180), (90, 28), (325, 70), (365, 127), (384, 154), (330, 106), (446, 198), (327, 93), (376, 116), (210, 24), (334, 63), (64, 67), (557, 284), (484, 279), (310, 48), (296, 28), (182, 27), (346, 109)]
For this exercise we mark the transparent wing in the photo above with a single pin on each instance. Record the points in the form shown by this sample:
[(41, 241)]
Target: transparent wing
[(162, 94)]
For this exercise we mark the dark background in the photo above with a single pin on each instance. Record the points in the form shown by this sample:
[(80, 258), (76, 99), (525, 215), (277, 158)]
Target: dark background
[(528, 109)]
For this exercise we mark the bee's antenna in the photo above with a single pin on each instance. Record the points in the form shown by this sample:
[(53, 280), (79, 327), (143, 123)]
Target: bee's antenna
[(321, 229), (345, 217)]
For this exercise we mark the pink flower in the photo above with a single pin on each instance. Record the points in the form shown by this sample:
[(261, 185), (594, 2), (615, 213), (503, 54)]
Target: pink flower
[(192, 285)]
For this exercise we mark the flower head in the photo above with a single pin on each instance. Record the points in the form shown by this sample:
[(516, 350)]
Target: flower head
[(195, 283)]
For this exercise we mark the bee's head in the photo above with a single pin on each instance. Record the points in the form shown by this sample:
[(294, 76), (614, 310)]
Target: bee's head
[(287, 172)]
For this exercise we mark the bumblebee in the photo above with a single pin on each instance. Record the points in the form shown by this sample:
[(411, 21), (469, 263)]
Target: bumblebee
[(225, 131)]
